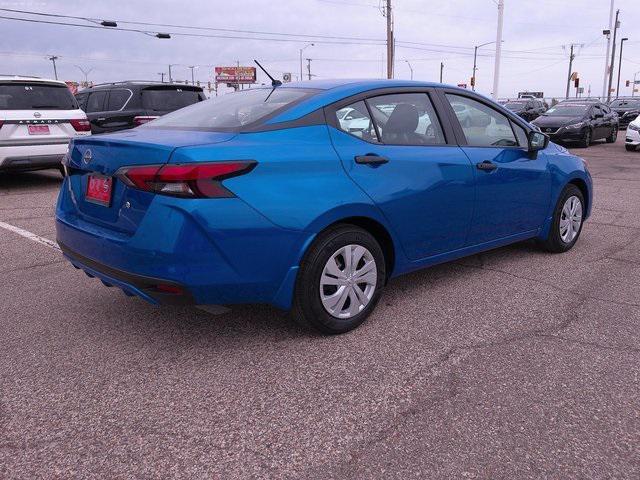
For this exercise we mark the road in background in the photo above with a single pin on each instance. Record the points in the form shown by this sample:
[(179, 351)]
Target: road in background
[(509, 364)]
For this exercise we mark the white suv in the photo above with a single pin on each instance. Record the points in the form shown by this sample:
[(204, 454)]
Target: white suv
[(633, 135), (38, 117)]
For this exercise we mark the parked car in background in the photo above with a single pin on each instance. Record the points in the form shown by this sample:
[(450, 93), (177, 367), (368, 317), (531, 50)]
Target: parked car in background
[(581, 122), (627, 109), (632, 141), (527, 108), (38, 117), (122, 105), (266, 196)]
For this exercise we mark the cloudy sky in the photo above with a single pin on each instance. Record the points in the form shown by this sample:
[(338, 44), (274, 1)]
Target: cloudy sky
[(536, 36)]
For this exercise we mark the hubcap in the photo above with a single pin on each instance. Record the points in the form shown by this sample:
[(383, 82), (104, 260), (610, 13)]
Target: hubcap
[(570, 219), (348, 281)]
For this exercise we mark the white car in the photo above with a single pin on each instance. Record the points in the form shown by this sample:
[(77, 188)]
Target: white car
[(633, 135), (38, 117)]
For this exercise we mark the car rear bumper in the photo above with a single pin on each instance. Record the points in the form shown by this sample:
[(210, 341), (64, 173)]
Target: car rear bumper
[(32, 157), (148, 288)]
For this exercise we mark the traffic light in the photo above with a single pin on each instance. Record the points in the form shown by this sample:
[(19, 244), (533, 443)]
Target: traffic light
[(473, 81), (628, 83), (577, 82)]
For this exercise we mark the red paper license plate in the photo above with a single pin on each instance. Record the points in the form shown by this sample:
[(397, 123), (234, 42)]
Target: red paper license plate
[(38, 129), (99, 190)]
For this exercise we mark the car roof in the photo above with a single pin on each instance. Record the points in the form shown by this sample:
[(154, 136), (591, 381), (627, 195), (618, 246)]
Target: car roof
[(330, 91), (24, 78), (137, 83)]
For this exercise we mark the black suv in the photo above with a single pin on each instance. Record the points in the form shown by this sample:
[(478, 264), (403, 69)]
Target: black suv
[(579, 121), (627, 109), (526, 108), (117, 106)]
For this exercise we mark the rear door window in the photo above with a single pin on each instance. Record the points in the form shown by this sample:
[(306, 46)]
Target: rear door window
[(95, 102), (35, 96), (355, 120), (169, 99), (117, 99)]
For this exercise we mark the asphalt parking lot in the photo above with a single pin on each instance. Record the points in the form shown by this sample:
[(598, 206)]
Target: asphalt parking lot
[(510, 364)]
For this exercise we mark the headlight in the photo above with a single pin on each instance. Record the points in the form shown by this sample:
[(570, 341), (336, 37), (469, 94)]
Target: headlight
[(634, 127), (631, 114), (575, 126)]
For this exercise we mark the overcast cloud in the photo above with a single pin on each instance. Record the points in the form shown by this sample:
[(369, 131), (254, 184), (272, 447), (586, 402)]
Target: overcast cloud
[(534, 33)]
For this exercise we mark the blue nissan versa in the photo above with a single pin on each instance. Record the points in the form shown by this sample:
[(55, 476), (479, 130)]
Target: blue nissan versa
[(311, 196)]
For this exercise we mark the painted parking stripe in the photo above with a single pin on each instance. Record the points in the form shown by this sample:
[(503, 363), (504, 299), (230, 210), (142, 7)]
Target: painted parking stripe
[(30, 236)]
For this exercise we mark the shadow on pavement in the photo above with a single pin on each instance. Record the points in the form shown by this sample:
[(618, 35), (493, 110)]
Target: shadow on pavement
[(10, 181)]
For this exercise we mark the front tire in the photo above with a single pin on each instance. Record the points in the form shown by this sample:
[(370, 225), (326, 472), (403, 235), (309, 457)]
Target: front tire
[(586, 140), (567, 221), (614, 135), (340, 281), (630, 148)]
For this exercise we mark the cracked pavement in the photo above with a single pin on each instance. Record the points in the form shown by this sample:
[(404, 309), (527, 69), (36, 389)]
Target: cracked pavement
[(510, 364)]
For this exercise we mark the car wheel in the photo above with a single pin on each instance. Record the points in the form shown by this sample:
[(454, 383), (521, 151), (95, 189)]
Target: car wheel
[(630, 148), (340, 280), (567, 221), (586, 140), (614, 135)]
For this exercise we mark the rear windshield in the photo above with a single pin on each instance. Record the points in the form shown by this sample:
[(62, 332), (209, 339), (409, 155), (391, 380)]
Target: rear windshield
[(515, 105), (626, 104), (232, 110), (169, 99), (30, 96)]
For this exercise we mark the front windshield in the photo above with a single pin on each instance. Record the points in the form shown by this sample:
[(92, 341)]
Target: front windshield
[(568, 110), (625, 104), (232, 110)]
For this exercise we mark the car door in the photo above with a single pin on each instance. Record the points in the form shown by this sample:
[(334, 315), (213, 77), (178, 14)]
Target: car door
[(408, 163), (599, 123), (513, 188), (116, 115), (94, 108)]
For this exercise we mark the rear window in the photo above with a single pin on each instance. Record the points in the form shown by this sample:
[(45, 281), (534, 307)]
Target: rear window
[(233, 110), (35, 96), (169, 99)]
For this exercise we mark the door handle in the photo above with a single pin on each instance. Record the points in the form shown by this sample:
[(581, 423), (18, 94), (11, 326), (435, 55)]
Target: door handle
[(486, 166), (371, 159)]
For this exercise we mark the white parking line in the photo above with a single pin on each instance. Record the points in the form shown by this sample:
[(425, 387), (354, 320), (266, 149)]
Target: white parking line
[(30, 236)]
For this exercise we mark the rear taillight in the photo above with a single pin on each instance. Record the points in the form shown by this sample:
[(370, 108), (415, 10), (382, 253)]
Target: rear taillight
[(202, 180), (1, 122), (141, 120), (80, 125)]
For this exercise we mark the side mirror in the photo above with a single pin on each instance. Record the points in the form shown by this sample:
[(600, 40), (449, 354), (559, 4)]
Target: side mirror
[(537, 141)]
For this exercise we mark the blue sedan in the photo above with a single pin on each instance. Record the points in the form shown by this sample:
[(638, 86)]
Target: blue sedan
[(313, 195)]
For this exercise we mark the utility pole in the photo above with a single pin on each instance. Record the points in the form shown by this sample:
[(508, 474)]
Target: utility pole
[(390, 45), (301, 65), (620, 65), (613, 55), (496, 71), (571, 57), (170, 79), (441, 69), (161, 76), (475, 56), (606, 58), (53, 58), (309, 67)]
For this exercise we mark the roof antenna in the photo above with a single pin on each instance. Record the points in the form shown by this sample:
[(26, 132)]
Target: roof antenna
[(274, 82)]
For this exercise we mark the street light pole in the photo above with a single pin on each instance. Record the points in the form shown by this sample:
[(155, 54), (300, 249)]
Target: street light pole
[(410, 68), (53, 58), (192, 67), (496, 71), (161, 76), (170, 78), (441, 69), (301, 64), (620, 65), (309, 67), (388, 14)]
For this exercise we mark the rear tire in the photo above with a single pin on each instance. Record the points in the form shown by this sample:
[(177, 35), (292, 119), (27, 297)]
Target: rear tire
[(614, 135), (567, 221), (325, 296)]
